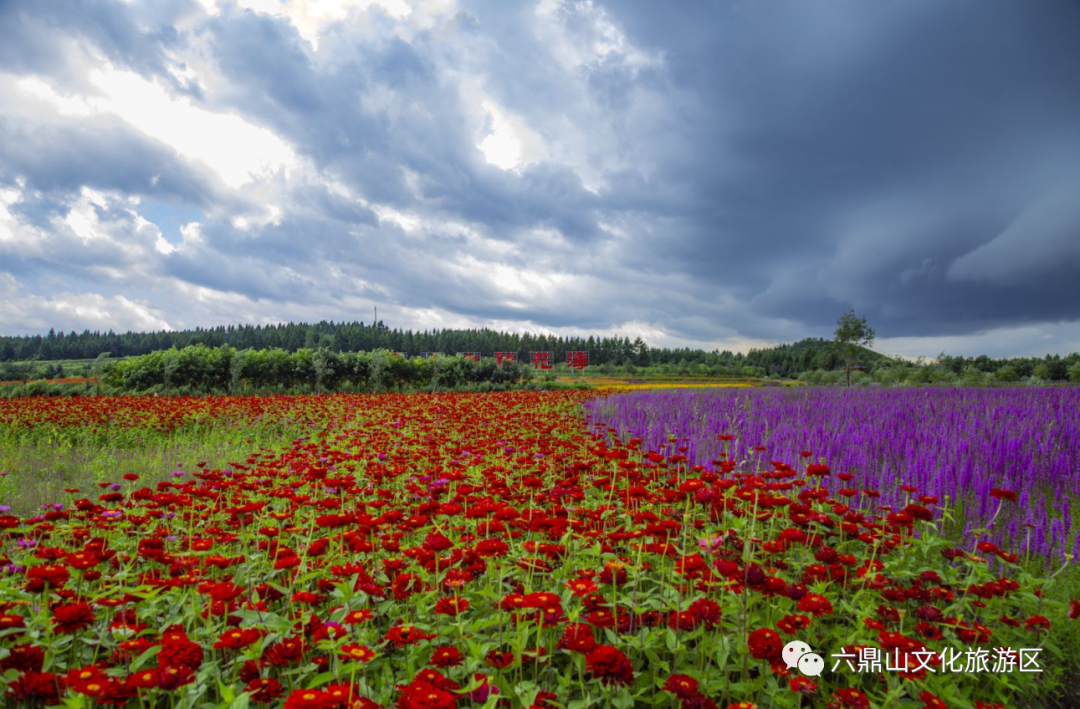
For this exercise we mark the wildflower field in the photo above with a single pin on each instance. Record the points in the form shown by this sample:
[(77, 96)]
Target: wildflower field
[(540, 549)]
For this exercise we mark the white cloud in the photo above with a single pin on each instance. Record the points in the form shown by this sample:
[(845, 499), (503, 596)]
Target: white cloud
[(508, 142), (235, 149), (1023, 341), (584, 34), (8, 197), (238, 151), (27, 312), (312, 17)]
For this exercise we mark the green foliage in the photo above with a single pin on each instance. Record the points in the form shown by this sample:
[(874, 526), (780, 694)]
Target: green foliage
[(200, 369), (852, 332), (329, 356)]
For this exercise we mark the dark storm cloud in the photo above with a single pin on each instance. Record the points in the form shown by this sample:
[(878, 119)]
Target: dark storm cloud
[(960, 113), (37, 34), (102, 154), (719, 171)]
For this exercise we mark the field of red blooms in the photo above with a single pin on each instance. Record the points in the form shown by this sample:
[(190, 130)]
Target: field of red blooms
[(465, 550)]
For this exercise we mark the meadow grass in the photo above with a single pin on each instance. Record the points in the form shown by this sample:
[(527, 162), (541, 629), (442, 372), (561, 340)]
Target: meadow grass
[(38, 468)]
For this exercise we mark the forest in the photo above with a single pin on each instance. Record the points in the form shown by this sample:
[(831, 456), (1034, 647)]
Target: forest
[(814, 360)]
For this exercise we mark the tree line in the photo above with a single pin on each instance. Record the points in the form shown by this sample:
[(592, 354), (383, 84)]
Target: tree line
[(811, 359), (361, 337)]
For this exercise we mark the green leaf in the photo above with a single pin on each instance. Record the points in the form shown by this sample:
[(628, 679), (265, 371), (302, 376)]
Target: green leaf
[(622, 700), (320, 679), (526, 691), (146, 655), (671, 639)]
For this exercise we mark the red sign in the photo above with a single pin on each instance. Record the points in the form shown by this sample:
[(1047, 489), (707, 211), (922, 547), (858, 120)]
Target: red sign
[(501, 357), (577, 360), (542, 360)]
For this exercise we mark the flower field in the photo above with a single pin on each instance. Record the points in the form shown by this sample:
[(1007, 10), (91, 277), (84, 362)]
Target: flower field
[(956, 444), (467, 550)]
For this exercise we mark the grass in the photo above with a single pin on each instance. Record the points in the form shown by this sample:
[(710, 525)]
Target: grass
[(36, 469)]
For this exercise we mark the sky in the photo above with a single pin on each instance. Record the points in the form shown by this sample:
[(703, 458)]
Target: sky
[(725, 174)]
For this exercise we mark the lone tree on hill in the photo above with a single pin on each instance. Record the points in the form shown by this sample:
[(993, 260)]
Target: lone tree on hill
[(852, 333)]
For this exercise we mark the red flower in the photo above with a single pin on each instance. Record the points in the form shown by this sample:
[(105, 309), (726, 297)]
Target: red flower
[(358, 616), (37, 688), (447, 656), (90, 680), (357, 653), (178, 651), (402, 635), (145, 679), (581, 587), (451, 606), (265, 690), (287, 651), (406, 585), (577, 637), (609, 665), (766, 644), (237, 639), (791, 624), (24, 658), (849, 699), (10, 620), (310, 699), (682, 686), (53, 575), (803, 685), (423, 695), (437, 679), (1037, 623), (436, 542), (707, 611), (1074, 609), (72, 617), (499, 660), (815, 604), (1003, 494), (931, 701), (169, 678)]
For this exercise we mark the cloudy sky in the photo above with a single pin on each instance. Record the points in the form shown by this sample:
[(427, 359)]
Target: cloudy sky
[(714, 174)]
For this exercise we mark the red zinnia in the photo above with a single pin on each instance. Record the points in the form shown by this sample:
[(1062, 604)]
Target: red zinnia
[(451, 606), (849, 699), (791, 624), (609, 665), (402, 635), (577, 637), (265, 690), (447, 656), (358, 616), (682, 686), (72, 617), (37, 687), (422, 695), (931, 701), (766, 644), (357, 653), (815, 604), (309, 699)]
